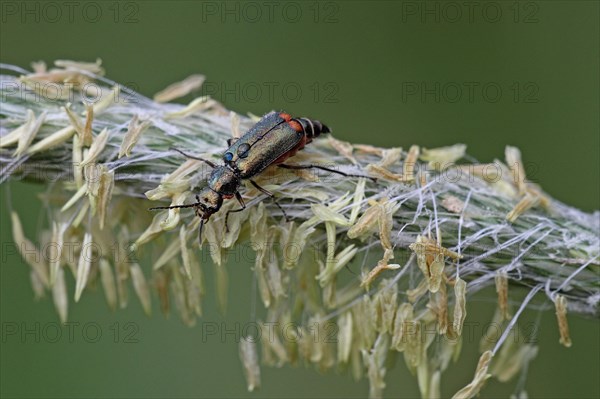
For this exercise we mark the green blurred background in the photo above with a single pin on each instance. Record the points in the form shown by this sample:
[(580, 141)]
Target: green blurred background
[(386, 73)]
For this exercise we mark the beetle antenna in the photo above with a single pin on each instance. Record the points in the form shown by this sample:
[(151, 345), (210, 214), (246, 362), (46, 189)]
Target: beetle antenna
[(175, 206), (209, 163)]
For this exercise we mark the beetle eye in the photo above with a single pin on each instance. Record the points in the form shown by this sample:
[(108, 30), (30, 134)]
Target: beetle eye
[(243, 150), (228, 156)]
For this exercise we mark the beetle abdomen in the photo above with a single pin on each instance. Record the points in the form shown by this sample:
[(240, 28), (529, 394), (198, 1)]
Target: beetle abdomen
[(312, 128)]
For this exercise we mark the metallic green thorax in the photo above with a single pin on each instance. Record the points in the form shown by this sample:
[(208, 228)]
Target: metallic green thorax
[(224, 180)]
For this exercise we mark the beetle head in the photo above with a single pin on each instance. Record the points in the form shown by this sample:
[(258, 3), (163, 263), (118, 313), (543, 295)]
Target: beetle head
[(209, 202)]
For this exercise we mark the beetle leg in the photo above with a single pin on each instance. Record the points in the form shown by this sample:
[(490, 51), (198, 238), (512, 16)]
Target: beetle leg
[(201, 226), (238, 197), (200, 232), (270, 194), (324, 168), (209, 163)]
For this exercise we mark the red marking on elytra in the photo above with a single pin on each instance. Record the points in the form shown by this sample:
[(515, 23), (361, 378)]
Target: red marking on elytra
[(295, 125), (285, 116), (228, 196)]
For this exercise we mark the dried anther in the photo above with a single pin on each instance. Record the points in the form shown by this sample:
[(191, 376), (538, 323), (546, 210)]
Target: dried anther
[(430, 258), (481, 376), (440, 158), (384, 173), (501, 280), (527, 202), (453, 204), (410, 163), (560, 302), (132, 136), (249, 357), (460, 311), (381, 266), (180, 89)]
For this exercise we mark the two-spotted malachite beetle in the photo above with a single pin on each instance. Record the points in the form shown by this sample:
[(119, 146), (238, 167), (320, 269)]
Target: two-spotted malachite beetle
[(271, 141)]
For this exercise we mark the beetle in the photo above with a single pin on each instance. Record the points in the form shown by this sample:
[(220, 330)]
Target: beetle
[(276, 137)]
